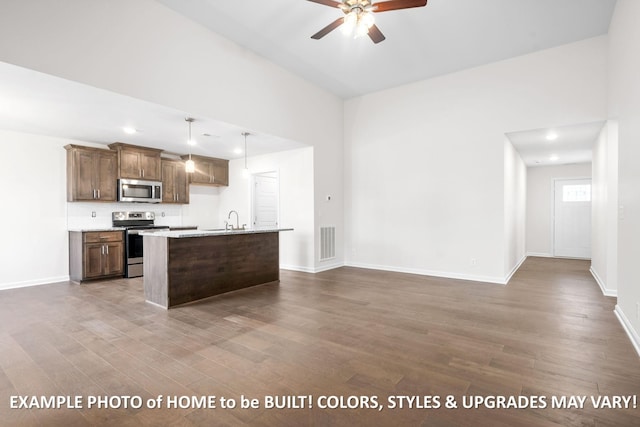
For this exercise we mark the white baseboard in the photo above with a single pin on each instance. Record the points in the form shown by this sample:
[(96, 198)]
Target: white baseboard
[(421, 272), (319, 269), (605, 291), (514, 269), (296, 268), (36, 282), (328, 266), (539, 254), (628, 328)]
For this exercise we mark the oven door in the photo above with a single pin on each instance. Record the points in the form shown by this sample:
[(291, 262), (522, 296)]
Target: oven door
[(134, 247), (134, 266), (134, 250)]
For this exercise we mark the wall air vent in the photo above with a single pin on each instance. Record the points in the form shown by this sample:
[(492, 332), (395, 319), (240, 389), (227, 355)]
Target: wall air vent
[(327, 243)]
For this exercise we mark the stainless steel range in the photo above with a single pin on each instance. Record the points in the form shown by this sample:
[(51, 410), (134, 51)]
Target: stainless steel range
[(134, 222)]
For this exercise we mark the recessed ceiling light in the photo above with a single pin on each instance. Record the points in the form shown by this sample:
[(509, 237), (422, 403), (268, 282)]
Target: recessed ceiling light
[(238, 151), (191, 141), (129, 130), (553, 158), (552, 136)]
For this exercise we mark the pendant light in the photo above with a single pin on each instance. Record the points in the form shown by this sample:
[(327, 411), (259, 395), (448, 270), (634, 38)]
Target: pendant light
[(189, 165), (245, 171)]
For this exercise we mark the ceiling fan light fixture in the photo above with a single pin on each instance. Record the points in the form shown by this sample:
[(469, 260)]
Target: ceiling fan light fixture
[(350, 23), (357, 22), (367, 19)]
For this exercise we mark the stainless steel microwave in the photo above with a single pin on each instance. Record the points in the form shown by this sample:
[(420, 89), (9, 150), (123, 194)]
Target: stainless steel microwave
[(136, 190)]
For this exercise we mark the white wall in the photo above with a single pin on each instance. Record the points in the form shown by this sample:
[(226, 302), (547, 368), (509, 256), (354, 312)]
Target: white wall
[(34, 245), (515, 206), (145, 50), (203, 209), (604, 230), (295, 177), (424, 163), (540, 203), (624, 106)]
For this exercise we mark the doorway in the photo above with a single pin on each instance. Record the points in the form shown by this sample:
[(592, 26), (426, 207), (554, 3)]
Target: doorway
[(572, 218), (265, 200)]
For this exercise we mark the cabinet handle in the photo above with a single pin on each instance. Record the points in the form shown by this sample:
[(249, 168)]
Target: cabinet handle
[(94, 193), (98, 193), (177, 197), (102, 250), (106, 247), (143, 173)]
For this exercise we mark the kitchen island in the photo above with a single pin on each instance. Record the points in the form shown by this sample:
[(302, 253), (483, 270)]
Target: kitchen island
[(185, 266)]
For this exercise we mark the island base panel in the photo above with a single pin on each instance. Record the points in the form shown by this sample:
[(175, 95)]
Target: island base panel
[(201, 267)]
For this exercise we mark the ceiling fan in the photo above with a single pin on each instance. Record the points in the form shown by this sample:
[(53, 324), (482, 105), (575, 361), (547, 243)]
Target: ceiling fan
[(359, 16)]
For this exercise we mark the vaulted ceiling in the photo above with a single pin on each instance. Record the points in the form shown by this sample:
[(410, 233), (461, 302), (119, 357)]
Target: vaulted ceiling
[(443, 37), (440, 38)]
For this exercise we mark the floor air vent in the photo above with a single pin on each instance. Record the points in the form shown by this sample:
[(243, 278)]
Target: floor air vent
[(327, 243)]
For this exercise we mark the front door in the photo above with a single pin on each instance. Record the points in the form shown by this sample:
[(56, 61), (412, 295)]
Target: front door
[(572, 218)]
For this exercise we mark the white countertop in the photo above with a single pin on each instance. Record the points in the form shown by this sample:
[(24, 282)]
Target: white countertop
[(178, 234), (87, 230)]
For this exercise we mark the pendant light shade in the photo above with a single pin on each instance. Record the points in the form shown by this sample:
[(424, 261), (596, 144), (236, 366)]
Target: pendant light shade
[(189, 165)]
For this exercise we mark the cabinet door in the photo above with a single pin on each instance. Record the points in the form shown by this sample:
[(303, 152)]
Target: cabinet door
[(114, 258), (106, 176), (93, 260), (202, 175), (181, 184), (168, 182), (150, 165), (130, 164), (220, 172), (83, 178)]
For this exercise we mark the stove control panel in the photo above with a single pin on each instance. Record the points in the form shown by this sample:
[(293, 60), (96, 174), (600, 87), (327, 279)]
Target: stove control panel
[(124, 216)]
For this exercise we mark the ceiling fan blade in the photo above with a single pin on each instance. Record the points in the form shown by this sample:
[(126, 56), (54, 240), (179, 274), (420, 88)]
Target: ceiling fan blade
[(384, 6), (326, 30), (331, 3), (375, 34)]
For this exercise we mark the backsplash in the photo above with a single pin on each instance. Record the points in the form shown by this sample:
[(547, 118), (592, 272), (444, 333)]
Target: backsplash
[(81, 215)]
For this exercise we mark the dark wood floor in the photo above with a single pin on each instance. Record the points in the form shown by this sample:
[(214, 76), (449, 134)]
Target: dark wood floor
[(346, 332)]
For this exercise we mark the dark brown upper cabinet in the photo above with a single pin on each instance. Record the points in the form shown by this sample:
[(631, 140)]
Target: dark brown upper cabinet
[(209, 171), (91, 174), (136, 162), (175, 184)]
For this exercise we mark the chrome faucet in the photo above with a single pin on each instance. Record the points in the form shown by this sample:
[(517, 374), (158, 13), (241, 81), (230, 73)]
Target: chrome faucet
[(237, 220)]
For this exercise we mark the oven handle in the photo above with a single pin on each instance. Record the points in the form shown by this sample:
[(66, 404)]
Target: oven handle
[(148, 229)]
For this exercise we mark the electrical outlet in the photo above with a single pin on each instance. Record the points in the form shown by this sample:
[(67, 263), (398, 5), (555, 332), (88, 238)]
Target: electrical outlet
[(473, 262), (93, 214)]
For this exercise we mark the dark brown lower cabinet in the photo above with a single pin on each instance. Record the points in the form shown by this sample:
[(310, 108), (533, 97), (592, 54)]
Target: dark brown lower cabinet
[(95, 255)]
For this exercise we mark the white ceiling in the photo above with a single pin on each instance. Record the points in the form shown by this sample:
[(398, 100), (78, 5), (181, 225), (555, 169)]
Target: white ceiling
[(444, 36), (39, 103), (573, 144)]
